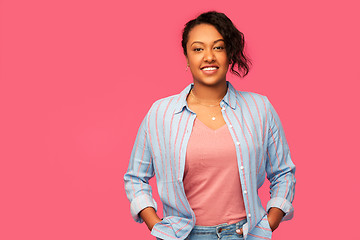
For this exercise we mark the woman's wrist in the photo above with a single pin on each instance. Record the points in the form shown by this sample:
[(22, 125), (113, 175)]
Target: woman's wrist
[(155, 222)]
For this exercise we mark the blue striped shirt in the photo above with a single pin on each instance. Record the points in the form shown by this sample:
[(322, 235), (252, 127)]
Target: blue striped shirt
[(160, 150)]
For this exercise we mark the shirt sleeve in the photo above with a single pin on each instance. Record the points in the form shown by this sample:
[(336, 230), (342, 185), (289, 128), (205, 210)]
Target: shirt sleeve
[(279, 166), (139, 172)]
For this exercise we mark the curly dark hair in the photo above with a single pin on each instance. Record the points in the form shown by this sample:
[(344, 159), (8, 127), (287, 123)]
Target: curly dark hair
[(234, 39)]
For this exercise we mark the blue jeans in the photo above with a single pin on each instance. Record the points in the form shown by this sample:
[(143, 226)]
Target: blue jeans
[(219, 232)]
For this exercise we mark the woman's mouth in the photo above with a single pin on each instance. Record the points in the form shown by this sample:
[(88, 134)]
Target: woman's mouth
[(209, 70)]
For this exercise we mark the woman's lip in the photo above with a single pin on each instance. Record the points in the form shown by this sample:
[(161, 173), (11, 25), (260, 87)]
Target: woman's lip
[(209, 72), (209, 66)]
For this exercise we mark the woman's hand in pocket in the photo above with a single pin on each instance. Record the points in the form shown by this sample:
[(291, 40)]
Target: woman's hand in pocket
[(239, 231)]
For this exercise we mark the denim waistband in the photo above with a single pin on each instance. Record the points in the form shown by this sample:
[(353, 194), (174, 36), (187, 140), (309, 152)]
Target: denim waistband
[(218, 228)]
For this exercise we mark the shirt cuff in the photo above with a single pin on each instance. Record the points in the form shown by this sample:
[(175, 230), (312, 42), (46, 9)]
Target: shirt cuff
[(139, 203), (282, 204)]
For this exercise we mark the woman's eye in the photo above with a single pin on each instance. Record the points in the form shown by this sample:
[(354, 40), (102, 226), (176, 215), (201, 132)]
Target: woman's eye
[(220, 47), (197, 49)]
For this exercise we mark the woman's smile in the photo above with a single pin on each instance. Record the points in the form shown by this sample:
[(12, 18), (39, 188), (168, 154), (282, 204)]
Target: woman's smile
[(209, 70)]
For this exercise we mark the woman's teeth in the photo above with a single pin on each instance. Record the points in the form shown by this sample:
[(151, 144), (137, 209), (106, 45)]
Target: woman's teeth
[(209, 68)]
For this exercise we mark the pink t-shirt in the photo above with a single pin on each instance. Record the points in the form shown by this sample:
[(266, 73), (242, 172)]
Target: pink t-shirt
[(211, 177)]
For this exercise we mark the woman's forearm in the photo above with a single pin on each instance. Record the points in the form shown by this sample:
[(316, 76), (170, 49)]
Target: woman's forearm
[(275, 216), (150, 217)]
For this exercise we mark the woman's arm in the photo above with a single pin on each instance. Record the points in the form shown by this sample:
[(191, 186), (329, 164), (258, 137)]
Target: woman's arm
[(139, 172), (150, 217), (280, 170)]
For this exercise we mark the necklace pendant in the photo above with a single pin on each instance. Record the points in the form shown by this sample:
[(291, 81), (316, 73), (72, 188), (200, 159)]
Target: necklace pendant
[(213, 118)]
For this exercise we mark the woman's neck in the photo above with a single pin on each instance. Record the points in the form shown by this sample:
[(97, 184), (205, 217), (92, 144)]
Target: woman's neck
[(209, 93)]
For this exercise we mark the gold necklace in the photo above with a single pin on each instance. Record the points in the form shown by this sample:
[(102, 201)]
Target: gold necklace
[(211, 105)]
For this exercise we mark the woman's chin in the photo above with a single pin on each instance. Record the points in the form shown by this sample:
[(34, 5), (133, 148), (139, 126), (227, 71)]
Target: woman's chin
[(210, 81)]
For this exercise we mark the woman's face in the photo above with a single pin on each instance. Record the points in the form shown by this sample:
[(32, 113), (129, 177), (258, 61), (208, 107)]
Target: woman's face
[(206, 55)]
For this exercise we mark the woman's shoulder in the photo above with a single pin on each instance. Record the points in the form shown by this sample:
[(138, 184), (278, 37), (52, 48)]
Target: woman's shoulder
[(251, 98), (166, 101), (175, 99), (164, 104)]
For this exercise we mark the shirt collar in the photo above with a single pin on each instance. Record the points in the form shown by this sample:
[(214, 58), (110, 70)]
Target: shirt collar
[(229, 98)]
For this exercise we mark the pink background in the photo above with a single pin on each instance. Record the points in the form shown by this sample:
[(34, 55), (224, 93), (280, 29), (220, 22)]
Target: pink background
[(77, 77)]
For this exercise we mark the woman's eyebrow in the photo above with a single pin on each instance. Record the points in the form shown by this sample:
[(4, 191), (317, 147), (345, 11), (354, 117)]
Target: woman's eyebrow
[(214, 41)]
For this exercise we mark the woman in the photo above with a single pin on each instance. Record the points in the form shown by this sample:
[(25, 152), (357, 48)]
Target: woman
[(210, 147)]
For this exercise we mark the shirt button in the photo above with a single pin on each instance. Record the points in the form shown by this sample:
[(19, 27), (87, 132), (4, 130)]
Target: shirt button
[(238, 143), (249, 215), (230, 126), (242, 167), (245, 192), (223, 108)]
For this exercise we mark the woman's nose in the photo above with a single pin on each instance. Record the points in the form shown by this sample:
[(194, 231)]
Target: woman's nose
[(209, 56)]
